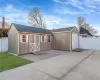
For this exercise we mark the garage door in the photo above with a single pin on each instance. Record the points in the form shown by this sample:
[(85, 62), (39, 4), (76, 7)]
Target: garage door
[(74, 41)]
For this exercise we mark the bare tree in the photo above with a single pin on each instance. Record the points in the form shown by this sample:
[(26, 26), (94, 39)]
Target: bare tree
[(94, 32), (91, 29), (36, 19), (80, 21)]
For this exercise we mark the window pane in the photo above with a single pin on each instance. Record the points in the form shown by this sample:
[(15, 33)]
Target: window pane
[(24, 36), (49, 38), (24, 40), (42, 38)]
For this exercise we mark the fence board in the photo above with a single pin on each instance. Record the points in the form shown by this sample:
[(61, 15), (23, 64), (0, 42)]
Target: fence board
[(3, 44), (90, 43)]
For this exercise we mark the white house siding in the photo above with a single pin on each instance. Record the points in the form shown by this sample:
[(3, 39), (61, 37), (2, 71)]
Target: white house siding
[(90, 43)]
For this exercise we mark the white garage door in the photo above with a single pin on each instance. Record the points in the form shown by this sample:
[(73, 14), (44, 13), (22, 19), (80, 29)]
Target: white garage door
[(74, 40)]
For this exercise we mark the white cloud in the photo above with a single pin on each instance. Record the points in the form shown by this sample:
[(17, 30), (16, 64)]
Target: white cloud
[(91, 6), (51, 21), (73, 12), (56, 22), (92, 10), (75, 3), (14, 15), (17, 18), (11, 8), (97, 28), (81, 4), (58, 1), (67, 11)]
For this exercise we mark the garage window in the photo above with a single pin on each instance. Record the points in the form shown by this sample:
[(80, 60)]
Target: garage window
[(42, 38), (24, 38), (48, 38)]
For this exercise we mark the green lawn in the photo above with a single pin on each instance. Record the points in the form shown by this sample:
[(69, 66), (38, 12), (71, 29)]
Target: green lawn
[(8, 61)]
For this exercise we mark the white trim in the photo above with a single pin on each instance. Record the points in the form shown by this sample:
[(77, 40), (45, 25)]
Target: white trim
[(65, 31), (45, 38), (18, 42), (73, 29), (31, 33), (35, 46), (61, 31), (27, 38), (13, 54), (70, 41), (21, 40), (41, 38)]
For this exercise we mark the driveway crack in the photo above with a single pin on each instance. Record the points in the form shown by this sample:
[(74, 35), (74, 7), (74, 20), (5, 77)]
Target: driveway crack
[(47, 74), (75, 66)]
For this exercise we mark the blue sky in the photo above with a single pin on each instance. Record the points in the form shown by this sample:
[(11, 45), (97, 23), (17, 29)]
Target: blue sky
[(57, 13)]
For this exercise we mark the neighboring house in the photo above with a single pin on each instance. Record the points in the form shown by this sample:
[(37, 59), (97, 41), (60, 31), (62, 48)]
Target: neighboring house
[(85, 33), (65, 38), (26, 39)]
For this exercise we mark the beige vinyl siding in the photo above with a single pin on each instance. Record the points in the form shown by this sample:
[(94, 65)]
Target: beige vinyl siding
[(23, 46), (13, 36), (44, 46), (62, 41)]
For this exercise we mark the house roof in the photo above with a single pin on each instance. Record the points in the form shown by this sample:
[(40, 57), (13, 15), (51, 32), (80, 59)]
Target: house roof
[(85, 31), (63, 29), (25, 28)]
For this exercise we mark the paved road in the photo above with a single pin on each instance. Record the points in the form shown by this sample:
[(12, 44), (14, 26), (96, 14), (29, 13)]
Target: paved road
[(74, 66)]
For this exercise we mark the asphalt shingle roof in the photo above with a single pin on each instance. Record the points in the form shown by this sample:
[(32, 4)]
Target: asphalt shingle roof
[(63, 29), (84, 31), (25, 28)]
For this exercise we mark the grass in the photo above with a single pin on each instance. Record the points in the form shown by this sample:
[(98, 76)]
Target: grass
[(8, 61)]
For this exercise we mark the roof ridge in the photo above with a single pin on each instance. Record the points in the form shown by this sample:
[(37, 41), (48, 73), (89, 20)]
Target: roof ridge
[(63, 29), (28, 26), (66, 27)]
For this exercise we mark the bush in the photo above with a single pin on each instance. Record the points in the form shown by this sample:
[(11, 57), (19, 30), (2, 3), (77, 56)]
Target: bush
[(3, 32)]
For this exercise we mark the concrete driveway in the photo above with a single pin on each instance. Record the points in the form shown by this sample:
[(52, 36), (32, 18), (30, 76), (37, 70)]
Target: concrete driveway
[(71, 66), (43, 55), (51, 53)]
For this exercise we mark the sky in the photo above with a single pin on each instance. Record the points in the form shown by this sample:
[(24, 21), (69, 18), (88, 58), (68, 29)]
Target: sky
[(56, 13)]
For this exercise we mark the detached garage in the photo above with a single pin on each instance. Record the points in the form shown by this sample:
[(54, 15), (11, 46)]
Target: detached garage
[(65, 38)]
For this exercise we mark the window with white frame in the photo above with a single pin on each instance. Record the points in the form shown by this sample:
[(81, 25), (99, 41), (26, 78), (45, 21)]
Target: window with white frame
[(48, 38), (42, 38), (24, 38)]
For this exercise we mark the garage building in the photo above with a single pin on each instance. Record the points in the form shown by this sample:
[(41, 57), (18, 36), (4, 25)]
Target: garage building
[(65, 38)]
